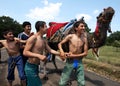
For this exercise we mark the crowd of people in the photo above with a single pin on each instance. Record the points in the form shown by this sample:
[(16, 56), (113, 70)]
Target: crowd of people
[(26, 52)]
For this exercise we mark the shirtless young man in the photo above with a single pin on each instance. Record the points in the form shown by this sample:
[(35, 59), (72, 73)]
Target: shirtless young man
[(34, 49), (12, 45), (78, 48)]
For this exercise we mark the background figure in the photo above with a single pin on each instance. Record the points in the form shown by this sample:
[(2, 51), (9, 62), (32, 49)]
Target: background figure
[(24, 36)]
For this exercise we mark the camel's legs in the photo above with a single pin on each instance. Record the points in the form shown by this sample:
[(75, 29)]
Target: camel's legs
[(95, 52)]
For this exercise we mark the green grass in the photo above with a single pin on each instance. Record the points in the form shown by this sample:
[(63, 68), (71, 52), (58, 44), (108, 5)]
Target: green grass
[(107, 54)]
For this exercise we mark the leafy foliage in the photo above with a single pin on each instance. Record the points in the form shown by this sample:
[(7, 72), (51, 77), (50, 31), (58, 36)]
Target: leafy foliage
[(8, 23), (113, 37), (116, 44)]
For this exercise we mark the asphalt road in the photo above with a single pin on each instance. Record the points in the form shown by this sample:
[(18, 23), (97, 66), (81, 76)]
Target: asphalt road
[(91, 78)]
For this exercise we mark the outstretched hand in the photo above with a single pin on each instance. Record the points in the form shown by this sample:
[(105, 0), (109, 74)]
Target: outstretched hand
[(65, 55)]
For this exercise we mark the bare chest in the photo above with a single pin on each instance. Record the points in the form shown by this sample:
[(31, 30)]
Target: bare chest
[(40, 45), (76, 45), (12, 46), (77, 42)]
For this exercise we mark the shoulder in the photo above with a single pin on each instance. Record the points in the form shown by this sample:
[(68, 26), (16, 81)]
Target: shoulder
[(20, 34), (32, 38), (23, 36), (70, 36), (2, 41)]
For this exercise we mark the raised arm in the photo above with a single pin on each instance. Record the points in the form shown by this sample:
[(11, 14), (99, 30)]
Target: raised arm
[(20, 40)]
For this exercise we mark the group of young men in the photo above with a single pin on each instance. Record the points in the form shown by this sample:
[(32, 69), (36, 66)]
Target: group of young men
[(26, 51)]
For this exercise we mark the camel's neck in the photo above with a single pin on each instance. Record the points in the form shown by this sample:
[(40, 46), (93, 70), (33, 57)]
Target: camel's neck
[(97, 40)]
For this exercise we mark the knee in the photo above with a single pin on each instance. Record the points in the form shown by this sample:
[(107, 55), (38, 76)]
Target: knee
[(62, 83), (22, 77), (81, 83)]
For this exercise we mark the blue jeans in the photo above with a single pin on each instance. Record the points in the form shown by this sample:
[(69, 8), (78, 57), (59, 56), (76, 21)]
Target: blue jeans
[(31, 71), (12, 62)]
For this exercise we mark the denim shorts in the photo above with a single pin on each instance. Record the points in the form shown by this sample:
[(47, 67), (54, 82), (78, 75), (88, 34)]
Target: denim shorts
[(12, 63)]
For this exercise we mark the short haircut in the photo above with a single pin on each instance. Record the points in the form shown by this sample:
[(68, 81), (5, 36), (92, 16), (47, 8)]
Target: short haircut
[(6, 31), (25, 23), (39, 24), (76, 24)]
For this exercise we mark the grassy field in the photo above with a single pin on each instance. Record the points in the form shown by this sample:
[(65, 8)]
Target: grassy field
[(108, 64), (107, 54)]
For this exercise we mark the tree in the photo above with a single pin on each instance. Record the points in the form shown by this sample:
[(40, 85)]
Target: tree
[(116, 44), (8, 23), (114, 36)]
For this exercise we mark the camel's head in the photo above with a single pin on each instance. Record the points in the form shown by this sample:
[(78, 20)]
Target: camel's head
[(105, 18), (106, 15)]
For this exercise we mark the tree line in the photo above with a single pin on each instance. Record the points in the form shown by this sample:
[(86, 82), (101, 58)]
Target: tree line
[(9, 23)]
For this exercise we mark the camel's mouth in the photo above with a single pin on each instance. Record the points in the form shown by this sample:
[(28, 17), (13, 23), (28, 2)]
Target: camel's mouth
[(107, 14), (104, 19)]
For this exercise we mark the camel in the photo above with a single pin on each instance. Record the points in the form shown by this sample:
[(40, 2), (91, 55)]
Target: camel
[(95, 40)]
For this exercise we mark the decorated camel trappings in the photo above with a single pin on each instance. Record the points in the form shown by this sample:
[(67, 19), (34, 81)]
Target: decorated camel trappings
[(57, 31)]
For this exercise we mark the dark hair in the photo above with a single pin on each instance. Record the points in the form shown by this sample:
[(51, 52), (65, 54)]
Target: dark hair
[(6, 31), (25, 23), (39, 24), (76, 24)]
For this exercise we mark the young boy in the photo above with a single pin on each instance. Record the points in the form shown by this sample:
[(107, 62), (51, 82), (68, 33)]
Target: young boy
[(12, 45), (24, 36), (34, 49), (77, 50)]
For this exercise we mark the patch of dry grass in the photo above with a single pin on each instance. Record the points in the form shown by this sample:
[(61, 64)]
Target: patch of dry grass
[(106, 70)]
